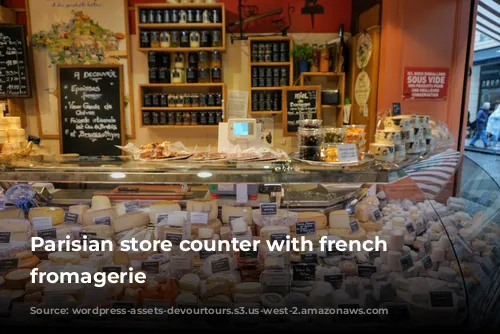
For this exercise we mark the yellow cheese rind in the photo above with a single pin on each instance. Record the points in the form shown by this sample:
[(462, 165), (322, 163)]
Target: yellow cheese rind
[(11, 213), (203, 205), (319, 218), (100, 202), (102, 231), (129, 221), (57, 214)]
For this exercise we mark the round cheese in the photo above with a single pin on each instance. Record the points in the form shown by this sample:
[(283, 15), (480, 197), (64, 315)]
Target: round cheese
[(78, 210), (89, 217), (65, 257), (203, 205), (129, 221), (56, 214), (319, 220), (17, 278), (100, 202), (231, 212), (214, 224), (161, 208)]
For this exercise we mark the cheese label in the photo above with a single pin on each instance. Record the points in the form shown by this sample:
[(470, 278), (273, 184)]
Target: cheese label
[(50, 233), (4, 305), (304, 272), (277, 236), (366, 271), (251, 254), (160, 217), (347, 153), (2, 202), (205, 253), (335, 280), (377, 215), (150, 267), (111, 269), (268, 209), (410, 228), (180, 262), (174, 238), (441, 299), (427, 247), (4, 237), (311, 258), (41, 223), (124, 308), (398, 311), (354, 226), (305, 227), (427, 262), (8, 264), (199, 218), (278, 278), (406, 261), (70, 218), (88, 235), (220, 265), (132, 206), (102, 221)]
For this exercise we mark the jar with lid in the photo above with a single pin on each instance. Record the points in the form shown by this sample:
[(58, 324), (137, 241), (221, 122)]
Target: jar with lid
[(143, 18), (155, 118), (179, 100), (165, 39), (216, 75), (316, 58), (163, 75), (182, 16), (145, 41), (172, 100), (324, 63), (190, 16), (216, 16), (158, 16), (155, 100), (203, 118), (202, 59), (203, 75), (310, 137), (152, 58), (174, 18), (195, 100), (179, 60), (198, 17), (176, 75), (153, 74), (171, 118), (146, 118), (333, 135), (151, 16), (194, 39), (147, 100), (216, 38), (164, 59), (203, 100), (218, 99), (205, 39), (166, 16), (191, 75), (178, 118), (186, 118), (194, 118), (210, 100), (163, 117), (155, 39), (211, 118), (175, 39), (163, 100), (184, 39), (206, 16), (216, 59), (187, 100), (218, 117)]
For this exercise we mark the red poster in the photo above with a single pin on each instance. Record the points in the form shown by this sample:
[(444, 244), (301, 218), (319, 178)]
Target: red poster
[(425, 83)]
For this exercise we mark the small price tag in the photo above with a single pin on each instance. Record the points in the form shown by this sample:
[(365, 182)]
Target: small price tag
[(220, 265), (50, 233), (8, 264), (347, 153), (441, 299), (335, 280), (160, 217), (427, 262), (354, 226), (102, 221), (199, 218), (366, 271), (41, 223), (396, 109), (377, 215), (311, 258), (420, 227), (132, 206), (204, 254), (277, 237), (2, 202), (150, 267), (333, 251), (4, 237), (34, 139), (304, 272), (4, 305), (174, 238), (87, 234), (71, 218), (406, 262), (111, 269), (410, 228), (251, 254), (427, 247), (305, 227), (268, 209)]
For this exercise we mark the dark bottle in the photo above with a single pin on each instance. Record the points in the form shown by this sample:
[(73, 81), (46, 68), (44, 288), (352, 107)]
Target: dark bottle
[(185, 39), (153, 74), (216, 75), (146, 118), (164, 59), (198, 18), (163, 75), (151, 16), (155, 118), (166, 16), (163, 117), (147, 100), (156, 100), (218, 117), (192, 59), (218, 99), (191, 75), (152, 58), (343, 66), (159, 16), (144, 16), (163, 100), (210, 100), (145, 42)]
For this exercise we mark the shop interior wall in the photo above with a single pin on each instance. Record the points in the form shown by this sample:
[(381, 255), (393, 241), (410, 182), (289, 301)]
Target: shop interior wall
[(235, 64)]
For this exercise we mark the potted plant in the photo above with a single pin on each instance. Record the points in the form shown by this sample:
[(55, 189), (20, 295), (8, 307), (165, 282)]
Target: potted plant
[(303, 54)]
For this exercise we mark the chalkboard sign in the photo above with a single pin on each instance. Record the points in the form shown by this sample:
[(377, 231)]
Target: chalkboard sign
[(300, 102), (14, 65), (91, 109)]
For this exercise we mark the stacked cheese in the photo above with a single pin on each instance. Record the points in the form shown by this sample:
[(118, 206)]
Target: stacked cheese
[(339, 224), (12, 136)]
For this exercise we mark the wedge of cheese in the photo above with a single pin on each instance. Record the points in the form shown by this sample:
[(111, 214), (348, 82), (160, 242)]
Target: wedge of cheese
[(100, 202), (156, 210), (214, 224), (102, 231), (56, 214), (203, 205), (90, 217), (14, 225), (129, 221), (338, 219), (231, 212), (79, 210)]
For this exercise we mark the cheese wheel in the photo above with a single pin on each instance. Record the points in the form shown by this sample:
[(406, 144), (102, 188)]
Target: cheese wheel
[(65, 257), (17, 278), (14, 225), (129, 221), (56, 214), (319, 220), (100, 202), (230, 212), (214, 224), (160, 208), (102, 231), (203, 205), (78, 210), (89, 217)]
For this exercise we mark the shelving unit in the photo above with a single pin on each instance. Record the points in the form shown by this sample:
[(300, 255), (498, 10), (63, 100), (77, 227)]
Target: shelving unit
[(181, 26), (288, 64), (328, 80)]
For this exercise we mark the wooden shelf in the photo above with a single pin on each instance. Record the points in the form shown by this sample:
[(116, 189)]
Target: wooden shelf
[(179, 108), (322, 74), (270, 64), (171, 26), (160, 85), (221, 49), (267, 88), (275, 112), (331, 106), (178, 5), (181, 126)]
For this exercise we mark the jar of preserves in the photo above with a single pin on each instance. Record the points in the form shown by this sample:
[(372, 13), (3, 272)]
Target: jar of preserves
[(155, 39), (310, 137), (147, 100), (175, 39), (210, 100), (171, 118), (179, 60), (158, 16), (165, 39), (216, 38), (216, 59), (203, 75), (172, 100), (206, 16), (163, 117), (186, 118), (203, 100), (324, 63), (203, 118), (166, 16), (163, 100), (218, 99), (205, 39), (153, 74), (155, 100), (145, 41), (202, 59), (192, 59), (190, 16), (184, 39), (316, 58), (211, 118), (192, 75), (180, 100), (194, 39), (178, 118), (176, 75), (216, 75), (195, 100), (155, 118), (194, 118), (146, 118), (182, 16)]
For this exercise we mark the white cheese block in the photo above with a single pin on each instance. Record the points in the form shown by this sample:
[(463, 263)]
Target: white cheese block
[(239, 226), (203, 205), (89, 216), (205, 233), (56, 214), (338, 219), (100, 202), (248, 288), (79, 210), (189, 282), (159, 208), (213, 224), (102, 231), (271, 232), (129, 221), (65, 257), (319, 220), (246, 298), (14, 225), (231, 212)]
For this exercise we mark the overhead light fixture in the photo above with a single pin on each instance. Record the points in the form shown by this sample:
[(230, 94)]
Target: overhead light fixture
[(266, 167), (204, 174), (118, 175)]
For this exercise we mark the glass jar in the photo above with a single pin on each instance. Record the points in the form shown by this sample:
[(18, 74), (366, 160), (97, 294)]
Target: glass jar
[(153, 74), (312, 153), (143, 18), (192, 75), (216, 16), (151, 16), (155, 39), (324, 63), (178, 118), (203, 118), (155, 100), (195, 100), (163, 75), (176, 75), (164, 59), (210, 100), (192, 59), (179, 60), (186, 118), (310, 123), (216, 75), (310, 137), (203, 75), (218, 99), (146, 118), (211, 118), (205, 39), (163, 100), (218, 117), (166, 16), (316, 58), (165, 40), (175, 39), (202, 59), (216, 38), (155, 118), (190, 16), (194, 39), (158, 16), (194, 118), (182, 16), (180, 100), (172, 100), (147, 100), (216, 59), (163, 117), (184, 39), (333, 135), (198, 16), (152, 58), (145, 41), (206, 16), (187, 100), (175, 16), (171, 118), (203, 100)]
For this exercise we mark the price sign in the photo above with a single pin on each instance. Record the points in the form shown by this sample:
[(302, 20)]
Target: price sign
[(427, 262), (335, 280), (150, 267), (71, 218), (305, 227), (277, 237), (160, 217), (220, 265), (354, 226), (41, 223), (311, 258), (102, 221), (174, 238), (8, 264), (347, 153), (132, 206), (205, 253), (406, 262), (268, 209), (441, 299), (304, 272), (366, 271), (198, 218), (4, 237), (410, 228), (111, 269), (377, 214), (50, 233)]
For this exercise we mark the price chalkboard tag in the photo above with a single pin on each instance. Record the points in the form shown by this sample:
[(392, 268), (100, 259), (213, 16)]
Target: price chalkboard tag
[(410, 228), (311, 258), (88, 235), (102, 221), (427, 262), (111, 269), (427, 247), (305, 227), (366, 271), (14, 73), (71, 218), (50, 233), (304, 272), (132, 206), (268, 209), (150, 267), (406, 262), (4, 237), (174, 238), (220, 265), (160, 217), (347, 153), (396, 109), (199, 218), (205, 253), (335, 280), (300, 102), (441, 299), (91, 109), (354, 226), (277, 237), (377, 214), (34, 139), (271, 188), (8, 264), (251, 254)]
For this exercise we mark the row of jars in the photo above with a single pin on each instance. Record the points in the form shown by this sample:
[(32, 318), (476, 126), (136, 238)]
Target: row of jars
[(270, 76), (180, 16), (181, 39), (321, 58), (194, 59), (270, 52), (266, 101), (182, 117), (182, 100)]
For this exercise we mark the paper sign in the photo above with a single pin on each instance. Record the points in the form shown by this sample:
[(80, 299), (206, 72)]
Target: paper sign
[(242, 193), (366, 271), (406, 262), (427, 262), (132, 206), (41, 223), (354, 226), (174, 238), (111, 269), (50, 233), (311, 258), (410, 228), (70, 218), (425, 83), (180, 262), (4, 237), (347, 153), (304, 272), (102, 221), (268, 209), (305, 227), (396, 109), (198, 218), (160, 217), (377, 214)]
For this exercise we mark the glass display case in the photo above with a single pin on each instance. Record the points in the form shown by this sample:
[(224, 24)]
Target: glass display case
[(439, 266)]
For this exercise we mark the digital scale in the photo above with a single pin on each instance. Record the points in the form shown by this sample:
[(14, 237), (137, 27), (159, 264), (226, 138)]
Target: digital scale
[(242, 132)]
